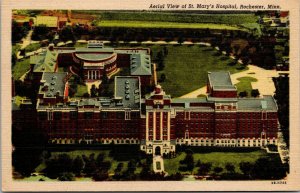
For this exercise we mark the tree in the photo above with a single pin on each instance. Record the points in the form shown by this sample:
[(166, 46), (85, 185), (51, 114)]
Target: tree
[(67, 34), (204, 168), (265, 168), (180, 39), (93, 91), (40, 32), (230, 167), (189, 160), (218, 170), (131, 166), (90, 165), (162, 77), (100, 175), (166, 51), (243, 94), (100, 159), (255, 93), (246, 168), (18, 32), (66, 176), (77, 165), (55, 166)]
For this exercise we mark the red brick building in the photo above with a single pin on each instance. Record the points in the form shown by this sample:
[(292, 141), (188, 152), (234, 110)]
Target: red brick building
[(157, 123), (93, 61)]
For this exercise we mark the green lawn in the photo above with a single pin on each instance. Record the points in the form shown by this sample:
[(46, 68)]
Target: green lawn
[(20, 68), (81, 89), (32, 47), (18, 100), (186, 17), (186, 67), (245, 84), (119, 158), (158, 24), (15, 48), (216, 158)]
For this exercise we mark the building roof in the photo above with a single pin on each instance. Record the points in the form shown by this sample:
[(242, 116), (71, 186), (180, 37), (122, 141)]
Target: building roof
[(44, 61), (53, 84), (93, 56), (90, 102), (83, 49), (49, 21), (220, 80), (127, 89), (140, 64), (189, 100), (265, 103)]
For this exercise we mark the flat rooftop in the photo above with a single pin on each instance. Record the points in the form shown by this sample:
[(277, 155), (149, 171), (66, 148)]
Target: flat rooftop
[(267, 102), (52, 84), (127, 90)]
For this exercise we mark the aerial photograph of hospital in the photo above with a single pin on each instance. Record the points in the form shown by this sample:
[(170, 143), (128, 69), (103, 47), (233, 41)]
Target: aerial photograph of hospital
[(149, 95)]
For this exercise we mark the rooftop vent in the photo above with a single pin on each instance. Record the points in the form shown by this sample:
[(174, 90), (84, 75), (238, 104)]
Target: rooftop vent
[(264, 104), (127, 87), (127, 82), (49, 95), (54, 77), (52, 89), (119, 104), (127, 97), (127, 92), (53, 83), (105, 104)]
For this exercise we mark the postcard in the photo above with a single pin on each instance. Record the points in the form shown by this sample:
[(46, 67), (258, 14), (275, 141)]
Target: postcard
[(150, 95)]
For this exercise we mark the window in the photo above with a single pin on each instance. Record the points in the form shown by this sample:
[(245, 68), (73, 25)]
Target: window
[(42, 115), (57, 115), (104, 115), (88, 115), (73, 114)]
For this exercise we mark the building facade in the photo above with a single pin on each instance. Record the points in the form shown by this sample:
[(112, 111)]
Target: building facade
[(155, 121)]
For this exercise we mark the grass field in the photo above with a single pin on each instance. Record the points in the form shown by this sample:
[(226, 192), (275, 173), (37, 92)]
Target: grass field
[(183, 16), (20, 68), (15, 48), (216, 158), (157, 24), (32, 47), (245, 84), (186, 67), (81, 89), (122, 156)]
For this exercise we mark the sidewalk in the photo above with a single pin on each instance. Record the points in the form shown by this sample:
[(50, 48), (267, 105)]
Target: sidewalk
[(158, 164)]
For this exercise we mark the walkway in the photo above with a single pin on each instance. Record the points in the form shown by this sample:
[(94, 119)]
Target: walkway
[(282, 148), (264, 82), (158, 164)]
